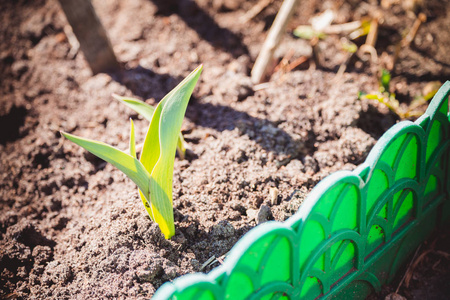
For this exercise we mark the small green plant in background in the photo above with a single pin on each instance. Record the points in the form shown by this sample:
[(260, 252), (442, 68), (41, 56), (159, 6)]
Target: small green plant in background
[(353, 29), (387, 98), (153, 172)]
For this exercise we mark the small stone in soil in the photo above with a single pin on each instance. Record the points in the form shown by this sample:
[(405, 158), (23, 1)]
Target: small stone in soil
[(252, 213), (273, 196), (223, 229), (195, 264), (171, 272), (148, 274), (264, 214), (394, 296)]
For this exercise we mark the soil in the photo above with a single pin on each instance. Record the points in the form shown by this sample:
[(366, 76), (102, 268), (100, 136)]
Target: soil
[(72, 226)]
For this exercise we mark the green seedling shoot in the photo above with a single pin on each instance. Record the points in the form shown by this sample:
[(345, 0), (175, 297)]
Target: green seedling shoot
[(353, 30), (308, 33), (387, 98), (153, 172), (147, 111)]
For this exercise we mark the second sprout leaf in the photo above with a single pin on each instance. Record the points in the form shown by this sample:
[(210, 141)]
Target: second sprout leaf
[(121, 160), (137, 105), (147, 111)]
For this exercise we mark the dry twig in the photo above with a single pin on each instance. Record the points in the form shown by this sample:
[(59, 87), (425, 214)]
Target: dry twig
[(408, 270), (260, 69), (409, 274), (373, 32), (409, 38), (286, 66), (285, 60), (342, 28), (256, 10), (316, 52)]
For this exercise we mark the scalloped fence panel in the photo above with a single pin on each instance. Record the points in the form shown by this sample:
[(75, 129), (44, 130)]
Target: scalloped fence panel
[(353, 232)]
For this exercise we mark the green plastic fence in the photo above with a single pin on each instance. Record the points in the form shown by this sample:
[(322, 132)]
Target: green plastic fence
[(353, 232)]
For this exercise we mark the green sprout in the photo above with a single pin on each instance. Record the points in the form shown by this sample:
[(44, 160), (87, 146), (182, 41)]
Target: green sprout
[(153, 172), (385, 81), (147, 111), (349, 46), (387, 98), (361, 31), (308, 33)]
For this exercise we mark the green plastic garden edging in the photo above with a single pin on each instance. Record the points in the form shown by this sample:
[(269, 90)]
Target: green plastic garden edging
[(353, 232)]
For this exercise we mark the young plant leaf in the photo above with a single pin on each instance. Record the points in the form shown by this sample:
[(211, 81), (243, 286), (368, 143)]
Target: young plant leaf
[(129, 165), (137, 105), (385, 80), (147, 111), (132, 140), (158, 152), (307, 32)]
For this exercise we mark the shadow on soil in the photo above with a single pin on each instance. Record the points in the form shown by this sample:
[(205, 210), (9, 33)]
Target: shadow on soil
[(374, 122), (11, 123), (266, 133), (199, 20), (147, 84)]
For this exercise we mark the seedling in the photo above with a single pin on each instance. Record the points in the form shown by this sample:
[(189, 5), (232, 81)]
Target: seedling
[(353, 29), (307, 32), (387, 98), (147, 111), (153, 172)]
